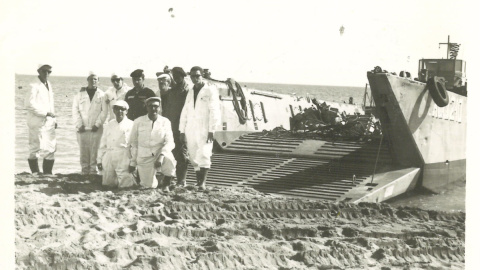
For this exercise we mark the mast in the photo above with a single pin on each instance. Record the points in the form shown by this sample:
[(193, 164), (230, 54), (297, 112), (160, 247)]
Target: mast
[(448, 45)]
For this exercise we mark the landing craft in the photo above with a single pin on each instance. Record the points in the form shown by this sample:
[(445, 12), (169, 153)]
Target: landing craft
[(420, 140), (425, 118)]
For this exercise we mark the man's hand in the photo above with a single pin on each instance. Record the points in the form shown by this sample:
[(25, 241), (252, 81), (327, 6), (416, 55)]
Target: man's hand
[(100, 166), (159, 162), (50, 114), (81, 129), (94, 128), (210, 137), (183, 138), (131, 169)]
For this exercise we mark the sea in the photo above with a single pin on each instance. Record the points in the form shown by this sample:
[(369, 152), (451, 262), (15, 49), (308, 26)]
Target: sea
[(67, 159)]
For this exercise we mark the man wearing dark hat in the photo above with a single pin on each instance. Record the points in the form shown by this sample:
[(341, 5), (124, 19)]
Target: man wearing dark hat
[(173, 101), (41, 121), (137, 96), (152, 145), (199, 120)]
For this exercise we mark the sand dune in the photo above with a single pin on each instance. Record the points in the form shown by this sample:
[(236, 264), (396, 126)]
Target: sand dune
[(72, 222)]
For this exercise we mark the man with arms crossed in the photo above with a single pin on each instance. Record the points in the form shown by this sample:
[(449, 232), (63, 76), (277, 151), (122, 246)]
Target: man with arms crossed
[(137, 96), (41, 121), (173, 100)]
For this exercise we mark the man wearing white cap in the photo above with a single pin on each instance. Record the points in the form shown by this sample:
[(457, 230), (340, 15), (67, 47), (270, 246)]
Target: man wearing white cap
[(152, 144), (116, 92), (114, 152), (89, 112), (41, 121)]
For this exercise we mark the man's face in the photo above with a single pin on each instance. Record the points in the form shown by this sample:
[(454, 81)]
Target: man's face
[(44, 72), (137, 82), (178, 78), (153, 109), (117, 83), (92, 81), (196, 77), (119, 112), (163, 84)]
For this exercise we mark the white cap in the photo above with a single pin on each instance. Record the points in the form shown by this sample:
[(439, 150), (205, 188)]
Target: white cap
[(115, 75), (164, 75), (43, 64), (152, 99), (91, 73), (120, 103)]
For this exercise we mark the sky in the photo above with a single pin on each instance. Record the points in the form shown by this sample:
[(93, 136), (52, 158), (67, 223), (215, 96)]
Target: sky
[(296, 42)]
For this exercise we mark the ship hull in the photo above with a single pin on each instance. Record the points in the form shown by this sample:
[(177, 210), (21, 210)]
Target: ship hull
[(262, 110), (421, 133)]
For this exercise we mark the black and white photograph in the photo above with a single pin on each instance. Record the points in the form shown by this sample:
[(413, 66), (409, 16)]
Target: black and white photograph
[(216, 134)]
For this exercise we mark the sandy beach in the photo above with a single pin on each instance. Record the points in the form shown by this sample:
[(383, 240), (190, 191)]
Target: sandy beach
[(72, 222)]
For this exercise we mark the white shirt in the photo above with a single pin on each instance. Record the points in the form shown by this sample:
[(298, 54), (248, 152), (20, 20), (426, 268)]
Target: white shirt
[(151, 139), (116, 136), (113, 94), (39, 100), (89, 113)]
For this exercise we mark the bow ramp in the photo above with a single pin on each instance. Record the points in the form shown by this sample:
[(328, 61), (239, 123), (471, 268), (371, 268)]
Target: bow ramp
[(306, 168)]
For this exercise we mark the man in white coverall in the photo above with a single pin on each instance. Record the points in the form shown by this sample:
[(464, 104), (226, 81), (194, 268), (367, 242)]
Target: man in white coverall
[(41, 121), (199, 120), (152, 145), (116, 92), (114, 152), (89, 112)]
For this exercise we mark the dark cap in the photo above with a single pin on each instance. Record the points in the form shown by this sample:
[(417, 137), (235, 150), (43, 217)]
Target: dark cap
[(179, 71), (137, 73), (195, 68)]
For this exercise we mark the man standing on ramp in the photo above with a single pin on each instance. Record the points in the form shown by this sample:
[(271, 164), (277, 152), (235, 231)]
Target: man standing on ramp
[(199, 120)]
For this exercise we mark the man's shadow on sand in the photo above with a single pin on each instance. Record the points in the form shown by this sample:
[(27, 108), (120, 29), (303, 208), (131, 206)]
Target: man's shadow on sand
[(64, 183)]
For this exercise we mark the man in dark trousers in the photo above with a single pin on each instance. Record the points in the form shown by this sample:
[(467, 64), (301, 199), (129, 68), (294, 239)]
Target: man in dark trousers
[(173, 100), (137, 96)]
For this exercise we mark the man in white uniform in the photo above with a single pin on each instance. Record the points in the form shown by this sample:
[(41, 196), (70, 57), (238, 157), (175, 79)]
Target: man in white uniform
[(199, 120), (116, 92), (89, 112), (41, 121), (152, 145), (114, 152)]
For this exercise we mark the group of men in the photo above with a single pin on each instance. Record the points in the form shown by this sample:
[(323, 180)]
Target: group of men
[(148, 139)]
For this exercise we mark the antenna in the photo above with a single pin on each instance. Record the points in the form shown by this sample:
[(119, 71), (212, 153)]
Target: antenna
[(448, 45)]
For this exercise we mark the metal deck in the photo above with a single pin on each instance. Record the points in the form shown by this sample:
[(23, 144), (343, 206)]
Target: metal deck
[(273, 165)]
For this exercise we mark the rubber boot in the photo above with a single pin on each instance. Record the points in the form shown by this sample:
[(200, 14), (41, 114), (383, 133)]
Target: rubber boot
[(203, 178), (33, 163), (160, 178), (181, 175), (198, 176), (166, 183), (48, 166)]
